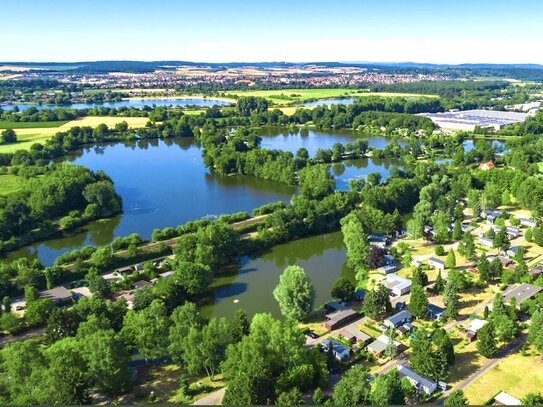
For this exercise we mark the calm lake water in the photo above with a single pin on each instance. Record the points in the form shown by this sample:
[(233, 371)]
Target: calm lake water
[(251, 282), (312, 140), (134, 102), (329, 102), (164, 183)]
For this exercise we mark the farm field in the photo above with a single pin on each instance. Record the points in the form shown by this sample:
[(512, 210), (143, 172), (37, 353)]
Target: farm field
[(289, 96), (28, 136), (10, 183), (30, 125), (517, 375)]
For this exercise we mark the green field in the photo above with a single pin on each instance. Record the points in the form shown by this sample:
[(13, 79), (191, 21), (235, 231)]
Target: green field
[(31, 125), (290, 96), (10, 183)]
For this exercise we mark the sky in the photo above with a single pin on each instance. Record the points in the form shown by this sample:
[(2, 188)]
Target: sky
[(433, 31)]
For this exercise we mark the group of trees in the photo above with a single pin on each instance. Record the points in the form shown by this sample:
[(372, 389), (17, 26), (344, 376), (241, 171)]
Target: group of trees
[(72, 193), (432, 354)]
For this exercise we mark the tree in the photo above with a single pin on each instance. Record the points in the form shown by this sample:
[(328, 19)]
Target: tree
[(295, 293), (450, 260), (387, 389), (501, 240), (376, 257), (419, 277), (441, 227), (535, 333), (450, 298), (319, 398), (61, 324), (38, 311), (270, 360), (146, 329), (426, 360), (356, 241), (483, 267), (316, 182), (9, 136), (456, 398), (353, 388), (496, 268), (457, 230), (439, 284), (107, 361), (291, 397), (486, 340), (466, 247), (418, 302), (102, 258), (443, 341), (240, 325), (182, 319), (343, 289), (532, 399), (193, 277), (204, 348), (97, 284)]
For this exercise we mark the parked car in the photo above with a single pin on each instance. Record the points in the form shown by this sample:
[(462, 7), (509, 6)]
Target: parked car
[(442, 386), (312, 335)]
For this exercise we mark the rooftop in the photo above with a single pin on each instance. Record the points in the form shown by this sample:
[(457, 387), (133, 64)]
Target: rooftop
[(405, 371), (506, 399), (475, 324), (57, 294), (522, 293)]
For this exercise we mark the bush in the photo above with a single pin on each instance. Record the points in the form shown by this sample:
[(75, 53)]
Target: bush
[(439, 250)]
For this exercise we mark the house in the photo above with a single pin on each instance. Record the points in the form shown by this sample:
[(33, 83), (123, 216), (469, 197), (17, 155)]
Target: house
[(334, 306), (436, 263), (485, 241), (113, 277), (389, 260), (435, 312), (473, 327), (58, 295), (491, 216), (340, 318), (166, 274), (536, 271), (489, 165), (379, 345), (397, 285), (391, 268), (420, 382), (138, 267), (512, 232), (405, 328), (465, 227), (398, 319), (505, 399), (340, 352), (361, 338), (521, 293), (359, 295), (348, 336), (378, 239), (141, 284), (512, 251), (529, 223)]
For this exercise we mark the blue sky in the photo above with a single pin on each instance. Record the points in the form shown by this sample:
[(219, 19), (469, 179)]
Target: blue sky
[(437, 31)]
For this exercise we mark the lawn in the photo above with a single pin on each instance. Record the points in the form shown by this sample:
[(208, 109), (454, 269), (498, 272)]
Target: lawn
[(30, 125), (28, 136), (516, 374), (164, 382), (10, 183), (290, 96)]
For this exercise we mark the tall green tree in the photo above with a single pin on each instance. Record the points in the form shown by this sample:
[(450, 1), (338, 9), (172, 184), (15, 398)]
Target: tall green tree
[(456, 398), (486, 340), (356, 241), (353, 388), (418, 302), (387, 389), (295, 293), (450, 298)]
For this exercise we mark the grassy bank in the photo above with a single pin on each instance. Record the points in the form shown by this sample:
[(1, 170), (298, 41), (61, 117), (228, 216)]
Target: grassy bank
[(29, 125)]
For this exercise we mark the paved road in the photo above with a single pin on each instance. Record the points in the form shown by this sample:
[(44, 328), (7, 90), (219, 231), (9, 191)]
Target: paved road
[(212, 399), (27, 335), (489, 364)]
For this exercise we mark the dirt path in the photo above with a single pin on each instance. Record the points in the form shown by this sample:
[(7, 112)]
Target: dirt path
[(212, 399)]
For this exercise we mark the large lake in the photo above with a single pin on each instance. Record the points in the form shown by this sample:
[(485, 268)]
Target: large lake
[(165, 183), (132, 102)]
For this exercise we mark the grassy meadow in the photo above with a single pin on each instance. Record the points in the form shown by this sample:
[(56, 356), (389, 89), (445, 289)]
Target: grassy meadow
[(10, 183), (30, 135), (31, 125)]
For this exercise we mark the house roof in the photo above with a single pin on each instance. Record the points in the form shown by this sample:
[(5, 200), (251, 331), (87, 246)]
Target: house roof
[(405, 371), (435, 260), (399, 317), (507, 400), (142, 284), (395, 281), (377, 346), (359, 335), (57, 294), (341, 315), (336, 347), (166, 274), (522, 293), (476, 324), (435, 309)]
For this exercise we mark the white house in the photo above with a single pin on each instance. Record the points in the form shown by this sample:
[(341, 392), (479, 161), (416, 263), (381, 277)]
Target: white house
[(420, 382), (436, 263), (397, 285)]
